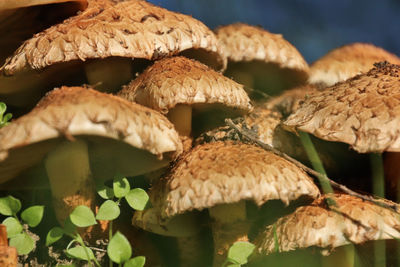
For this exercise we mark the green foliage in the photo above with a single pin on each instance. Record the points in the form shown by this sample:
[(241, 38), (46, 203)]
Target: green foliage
[(109, 211), (4, 118), (55, 234), (138, 199), (80, 253), (121, 186), (119, 249), (138, 261), (239, 253), (82, 216), (32, 216)]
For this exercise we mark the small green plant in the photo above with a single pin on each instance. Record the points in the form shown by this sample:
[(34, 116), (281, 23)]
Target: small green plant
[(119, 249), (238, 254), (17, 234), (4, 118)]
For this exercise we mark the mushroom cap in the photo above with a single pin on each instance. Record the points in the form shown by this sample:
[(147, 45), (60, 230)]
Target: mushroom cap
[(347, 61), (107, 122), (244, 42), (227, 172), (179, 80), (290, 100), (363, 111), (5, 5), (134, 29), (351, 221)]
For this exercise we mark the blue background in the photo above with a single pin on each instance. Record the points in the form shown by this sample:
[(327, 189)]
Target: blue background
[(313, 26)]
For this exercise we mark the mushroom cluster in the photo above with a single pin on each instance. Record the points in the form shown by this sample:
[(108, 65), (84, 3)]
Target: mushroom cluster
[(212, 124)]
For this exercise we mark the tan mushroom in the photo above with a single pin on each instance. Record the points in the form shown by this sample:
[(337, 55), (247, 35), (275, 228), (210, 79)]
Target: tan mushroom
[(260, 59), (220, 177), (329, 229), (186, 90), (347, 61), (117, 30), (79, 134)]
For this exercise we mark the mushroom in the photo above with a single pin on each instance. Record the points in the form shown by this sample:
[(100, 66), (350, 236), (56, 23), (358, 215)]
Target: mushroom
[(329, 229), (220, 177), (103, 39), (186, 90), (82, 134), (261, 60), (347, 61)]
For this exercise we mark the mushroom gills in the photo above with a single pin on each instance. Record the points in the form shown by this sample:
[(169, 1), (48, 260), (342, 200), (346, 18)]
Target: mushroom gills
[(70, 177), (109, 74), (181, 118)]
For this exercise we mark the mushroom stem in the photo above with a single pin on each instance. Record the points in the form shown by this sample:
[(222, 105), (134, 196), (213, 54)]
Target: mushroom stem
[(109, 74), (181, 118), (342, 256), (229, 226), (191, 251), (70, 178), (378, 189)]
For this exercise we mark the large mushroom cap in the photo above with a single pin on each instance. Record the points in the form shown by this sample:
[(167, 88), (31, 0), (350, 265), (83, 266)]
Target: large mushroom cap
[(352, 220), (113, 127), (347, 61), (227, 172), (129, 29), (260, 59), (363, 112), (179, 80)]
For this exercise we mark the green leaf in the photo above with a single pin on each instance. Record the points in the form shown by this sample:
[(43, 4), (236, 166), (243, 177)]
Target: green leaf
[(119, 249), (78, 252), (108, 211), (7, 117), (82, 216), (9, 205), (105, 192), (69, 227), (121, 186), (33, 215), (234, 265), (138, 199), (13, 226), (55, 234), (135, 262), (23, 243), (3, 108), (239, 252)]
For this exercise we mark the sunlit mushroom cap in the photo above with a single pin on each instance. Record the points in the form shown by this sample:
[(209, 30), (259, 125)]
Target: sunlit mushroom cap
[(347, 61), (179, 80), (351, 221), (118, 128), (363, 112), (227, 172), (243, 42)]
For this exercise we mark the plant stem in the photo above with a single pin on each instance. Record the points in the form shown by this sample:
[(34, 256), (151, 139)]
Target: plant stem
[(378, 189), (315, 161), (85, 248)]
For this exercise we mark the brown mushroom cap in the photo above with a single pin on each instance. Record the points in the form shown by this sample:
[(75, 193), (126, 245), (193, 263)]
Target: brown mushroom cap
[(351, 221), (179, 80), (105, 121), (347, 61), (130, 29), (363, 112), (244, 42), (227, 172)]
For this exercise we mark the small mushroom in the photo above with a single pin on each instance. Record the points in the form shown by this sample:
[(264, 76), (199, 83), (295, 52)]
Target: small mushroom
[(347, 61), (115, 31), (185, 89), (329, 229), (220, 177), (80, 133), (261, 60)]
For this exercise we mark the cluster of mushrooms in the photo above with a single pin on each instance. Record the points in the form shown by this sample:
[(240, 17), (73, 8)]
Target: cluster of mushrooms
[(129, 88)]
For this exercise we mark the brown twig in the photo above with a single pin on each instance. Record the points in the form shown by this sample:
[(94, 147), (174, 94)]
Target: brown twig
[(254, 139)]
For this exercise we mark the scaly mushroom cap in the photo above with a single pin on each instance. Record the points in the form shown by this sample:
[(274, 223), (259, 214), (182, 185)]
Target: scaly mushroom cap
[(363, 112), (351, 221), (227, 172), (290, 100), (179, 80), (104, 120), (134, 29), (347, 61), (243, 42)]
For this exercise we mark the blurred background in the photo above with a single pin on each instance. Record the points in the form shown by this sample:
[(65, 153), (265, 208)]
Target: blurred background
[(313, 26)]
